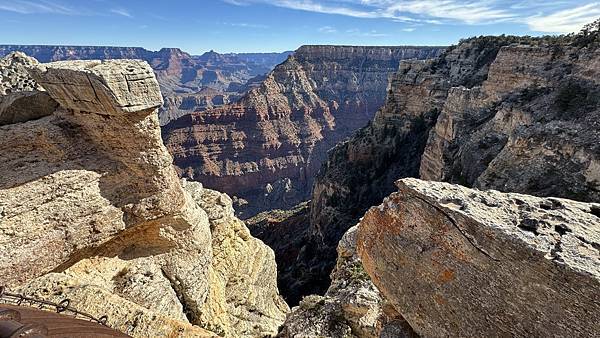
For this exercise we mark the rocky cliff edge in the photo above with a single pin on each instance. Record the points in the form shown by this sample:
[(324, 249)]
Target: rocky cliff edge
[(91, 209)]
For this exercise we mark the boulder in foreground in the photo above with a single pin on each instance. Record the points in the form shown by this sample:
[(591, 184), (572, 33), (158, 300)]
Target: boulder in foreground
[(460, 262)]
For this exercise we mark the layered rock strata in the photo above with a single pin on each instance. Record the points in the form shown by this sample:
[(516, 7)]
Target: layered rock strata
[(506, 113), (461, 262), (96, 213), (277, 134)]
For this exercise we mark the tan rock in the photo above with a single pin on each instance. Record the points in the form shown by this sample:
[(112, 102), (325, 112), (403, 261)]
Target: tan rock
[(80, 181), (245, 273), (460, 262), (97, 214), (123, 315), (106, 87)]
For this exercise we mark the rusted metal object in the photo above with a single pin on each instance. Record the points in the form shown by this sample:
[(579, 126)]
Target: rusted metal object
[(27, 317)]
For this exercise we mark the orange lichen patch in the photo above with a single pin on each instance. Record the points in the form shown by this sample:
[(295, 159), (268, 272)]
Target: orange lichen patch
[(446, 276), (439, 299)]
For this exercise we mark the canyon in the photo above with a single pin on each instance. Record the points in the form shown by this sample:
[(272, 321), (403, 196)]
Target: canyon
[(188, 82), (267, 147), (467, 205), (491, 113)]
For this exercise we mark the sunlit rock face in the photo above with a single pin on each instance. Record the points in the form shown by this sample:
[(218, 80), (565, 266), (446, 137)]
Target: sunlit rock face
[(508, 113), (455, 261), (267, 147), (96, 213)]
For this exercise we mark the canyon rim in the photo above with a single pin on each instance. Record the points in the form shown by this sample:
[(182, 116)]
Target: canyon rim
[(383, 174)]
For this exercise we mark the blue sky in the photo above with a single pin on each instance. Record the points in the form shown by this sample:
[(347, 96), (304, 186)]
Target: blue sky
[(277, 25)]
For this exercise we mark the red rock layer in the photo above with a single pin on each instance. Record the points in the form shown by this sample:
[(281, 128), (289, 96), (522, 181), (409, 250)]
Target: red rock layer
[(267, 147)]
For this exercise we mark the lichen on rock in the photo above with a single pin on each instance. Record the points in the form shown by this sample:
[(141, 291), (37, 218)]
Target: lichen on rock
[(484, 263)]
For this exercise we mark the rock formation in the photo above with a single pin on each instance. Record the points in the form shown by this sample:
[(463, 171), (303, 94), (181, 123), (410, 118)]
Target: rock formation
[(267, 147), (91, 209), (461, 262), (188, 82), (491, 112), (351, 307), (21, 98)]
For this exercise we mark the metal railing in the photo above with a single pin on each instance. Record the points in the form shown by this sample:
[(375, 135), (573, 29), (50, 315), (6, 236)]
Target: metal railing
[(10, 298)]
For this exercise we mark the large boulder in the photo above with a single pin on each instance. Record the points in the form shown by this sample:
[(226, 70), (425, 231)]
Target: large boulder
[(461, 262)]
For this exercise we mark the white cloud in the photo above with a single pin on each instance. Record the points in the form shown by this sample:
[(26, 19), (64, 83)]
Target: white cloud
[(371, 33), (470, 12), (411, 29), (327, 29), (121, 12), (565, 21), (557, 16), (42, 6)]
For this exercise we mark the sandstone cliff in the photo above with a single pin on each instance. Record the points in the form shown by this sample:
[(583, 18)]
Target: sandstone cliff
[(491, 112), (96, 213), (267, 147), (466, 263)]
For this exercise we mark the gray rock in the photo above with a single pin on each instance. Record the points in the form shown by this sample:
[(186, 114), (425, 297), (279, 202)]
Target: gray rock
[(352, 306), (25, 106)]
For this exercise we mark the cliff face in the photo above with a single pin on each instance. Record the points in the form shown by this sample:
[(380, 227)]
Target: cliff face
[(491, 112), (188, 83), (351, 307), (460, 262), (531, 127), (267, 147), (96, 213)]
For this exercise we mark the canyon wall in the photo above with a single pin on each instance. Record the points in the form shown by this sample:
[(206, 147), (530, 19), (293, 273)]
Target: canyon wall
[(91, 209), (267, 147), (188, 82), (506, 113)]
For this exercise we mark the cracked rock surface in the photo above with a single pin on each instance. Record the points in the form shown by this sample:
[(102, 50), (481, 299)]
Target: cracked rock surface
[(455, 261)]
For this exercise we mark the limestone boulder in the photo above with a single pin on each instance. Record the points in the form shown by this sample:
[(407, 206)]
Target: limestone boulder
[(106, 87), (460, 262)]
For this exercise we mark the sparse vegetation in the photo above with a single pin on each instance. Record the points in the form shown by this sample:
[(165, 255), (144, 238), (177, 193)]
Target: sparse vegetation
[(357, 272), (575, 98)]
